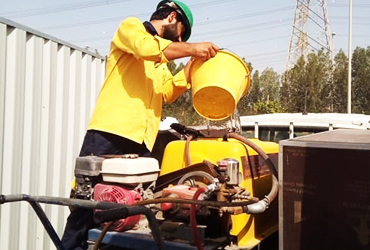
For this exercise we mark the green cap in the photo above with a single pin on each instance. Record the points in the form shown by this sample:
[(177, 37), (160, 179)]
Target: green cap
[(184, 11)]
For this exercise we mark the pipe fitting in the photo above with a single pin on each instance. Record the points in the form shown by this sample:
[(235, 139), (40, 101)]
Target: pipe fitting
[(211, 187), (257, 208)]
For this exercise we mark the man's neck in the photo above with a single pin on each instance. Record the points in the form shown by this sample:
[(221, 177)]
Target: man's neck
[(158, 26)]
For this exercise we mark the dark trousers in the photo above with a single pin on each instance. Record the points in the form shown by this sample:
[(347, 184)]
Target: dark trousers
[(81, 220)]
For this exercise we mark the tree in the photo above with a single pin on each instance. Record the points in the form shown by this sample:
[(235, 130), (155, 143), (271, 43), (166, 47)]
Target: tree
[(286, 90), (318, 70), (361, 80), (267, 107), (182, 109), (265, 94), (174, 68), (244, 106), (269, 84), (340, 79), (254, 94), (307, 86), (295, 88)]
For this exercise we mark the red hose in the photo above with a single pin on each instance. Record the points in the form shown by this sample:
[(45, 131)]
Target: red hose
[(193, 219)]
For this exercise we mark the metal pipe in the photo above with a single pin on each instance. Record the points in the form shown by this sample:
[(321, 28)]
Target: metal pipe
[(349, 101), (39, 212), (47, 225), (123, 209), (59, 201)]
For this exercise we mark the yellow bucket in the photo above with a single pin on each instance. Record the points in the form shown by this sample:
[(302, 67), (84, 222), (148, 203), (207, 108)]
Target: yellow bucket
[(218, 84)]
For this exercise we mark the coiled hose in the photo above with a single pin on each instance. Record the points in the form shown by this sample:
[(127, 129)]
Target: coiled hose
[(203, 174), (263, 204)]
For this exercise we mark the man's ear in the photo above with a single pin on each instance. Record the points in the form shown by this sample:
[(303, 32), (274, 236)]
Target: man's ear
[(172, 17)]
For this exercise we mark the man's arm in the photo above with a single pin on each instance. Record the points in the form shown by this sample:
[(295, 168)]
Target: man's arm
[(178, 50)]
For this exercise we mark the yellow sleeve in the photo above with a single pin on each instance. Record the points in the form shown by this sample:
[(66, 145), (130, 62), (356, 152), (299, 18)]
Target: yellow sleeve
[(74, 183), (132, 37), (174, 86)]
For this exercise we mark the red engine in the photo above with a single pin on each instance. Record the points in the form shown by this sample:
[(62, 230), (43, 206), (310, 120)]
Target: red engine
[(126, 180), (117, 194)]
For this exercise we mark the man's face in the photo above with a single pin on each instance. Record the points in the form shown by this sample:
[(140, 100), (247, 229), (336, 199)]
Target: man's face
[(173, 31)]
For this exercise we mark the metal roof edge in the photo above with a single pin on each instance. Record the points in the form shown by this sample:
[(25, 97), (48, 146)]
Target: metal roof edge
[(46, 36), (298, 119)]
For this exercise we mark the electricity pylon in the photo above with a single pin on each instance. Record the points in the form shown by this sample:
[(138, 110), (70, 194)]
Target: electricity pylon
[(311, 30)]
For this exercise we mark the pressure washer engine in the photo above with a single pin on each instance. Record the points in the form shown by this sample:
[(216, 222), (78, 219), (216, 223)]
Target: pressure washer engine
[(208, 192), (124, 179)]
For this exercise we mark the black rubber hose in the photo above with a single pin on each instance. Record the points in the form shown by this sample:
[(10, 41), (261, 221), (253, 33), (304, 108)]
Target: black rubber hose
[(263, 204), (111, 214), (250, 200), (101, 205), (60, 201)]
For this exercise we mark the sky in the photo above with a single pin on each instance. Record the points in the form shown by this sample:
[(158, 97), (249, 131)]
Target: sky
[(259, 31)]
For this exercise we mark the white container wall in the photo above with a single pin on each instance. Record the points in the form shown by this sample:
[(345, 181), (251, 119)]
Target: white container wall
[(48, 90)]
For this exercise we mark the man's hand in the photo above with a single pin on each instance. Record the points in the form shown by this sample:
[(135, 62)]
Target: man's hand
[(204, 50)]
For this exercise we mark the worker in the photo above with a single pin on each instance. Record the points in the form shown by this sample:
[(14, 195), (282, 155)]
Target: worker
[(127, 114)]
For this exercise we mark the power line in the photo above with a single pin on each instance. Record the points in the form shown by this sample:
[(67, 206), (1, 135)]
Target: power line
[(257, 41), (221, 32), (346, 18), (364, 5), (268, 54), (280, 61), (255, 29), (233, 18), (89, 4), (115, 19), (60, 8)]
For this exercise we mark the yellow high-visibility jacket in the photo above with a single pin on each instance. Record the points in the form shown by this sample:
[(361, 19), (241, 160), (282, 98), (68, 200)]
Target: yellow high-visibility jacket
[(137, 82)]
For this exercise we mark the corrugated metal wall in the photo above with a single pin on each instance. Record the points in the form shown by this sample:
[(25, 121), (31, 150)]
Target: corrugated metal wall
[(48, 89)]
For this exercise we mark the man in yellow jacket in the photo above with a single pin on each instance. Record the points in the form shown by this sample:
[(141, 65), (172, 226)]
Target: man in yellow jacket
[(129, 107)]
